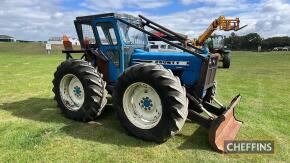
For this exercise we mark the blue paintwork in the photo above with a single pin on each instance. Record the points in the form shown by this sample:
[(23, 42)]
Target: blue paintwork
[(189, 74), (113, 69), (77, 91), (147, 103)]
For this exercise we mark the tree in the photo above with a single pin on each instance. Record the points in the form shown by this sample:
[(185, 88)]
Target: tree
[(270, 43), (251, 41)]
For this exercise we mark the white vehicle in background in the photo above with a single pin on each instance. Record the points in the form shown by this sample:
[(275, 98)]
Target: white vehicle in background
[(278, 49), (159, 46), (286, 48)]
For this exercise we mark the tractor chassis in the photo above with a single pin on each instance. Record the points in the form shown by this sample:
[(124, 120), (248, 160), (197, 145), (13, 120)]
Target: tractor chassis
[(220, 120), (215, 119)]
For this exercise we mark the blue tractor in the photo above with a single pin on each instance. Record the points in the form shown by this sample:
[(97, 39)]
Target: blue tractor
[(153, 93)]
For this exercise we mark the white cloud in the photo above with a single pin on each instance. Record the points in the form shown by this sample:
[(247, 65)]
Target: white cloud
[(215, 2), (277, 23), (268, 17), (120, 4), (152, 3), (195, 21), (38, 19)]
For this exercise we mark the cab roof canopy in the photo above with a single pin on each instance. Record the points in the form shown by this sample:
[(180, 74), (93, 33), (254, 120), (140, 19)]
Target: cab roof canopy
[(89, 18)]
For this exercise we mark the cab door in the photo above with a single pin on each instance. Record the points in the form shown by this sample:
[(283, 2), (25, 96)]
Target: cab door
[(109, 43)]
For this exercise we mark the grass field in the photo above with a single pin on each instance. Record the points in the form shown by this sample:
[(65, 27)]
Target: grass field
[(33, 130)]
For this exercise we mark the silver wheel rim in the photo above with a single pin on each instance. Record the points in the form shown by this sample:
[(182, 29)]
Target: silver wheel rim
[(142, 105), (72, 92)]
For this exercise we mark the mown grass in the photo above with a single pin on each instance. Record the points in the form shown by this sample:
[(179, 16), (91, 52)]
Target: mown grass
[(33, 130)]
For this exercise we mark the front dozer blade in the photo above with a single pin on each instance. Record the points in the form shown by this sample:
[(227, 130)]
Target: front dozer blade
[(224, 127)]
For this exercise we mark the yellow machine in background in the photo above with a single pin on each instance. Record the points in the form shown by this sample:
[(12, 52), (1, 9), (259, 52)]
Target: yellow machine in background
[(222, 24), (216, 44)]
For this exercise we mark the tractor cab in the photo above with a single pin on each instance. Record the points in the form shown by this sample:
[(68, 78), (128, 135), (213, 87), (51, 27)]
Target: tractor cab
[(215, 42), (110, 39), (121, 41), (216, 45)]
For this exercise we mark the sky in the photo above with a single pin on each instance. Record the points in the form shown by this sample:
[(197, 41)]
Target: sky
[(41, 19)]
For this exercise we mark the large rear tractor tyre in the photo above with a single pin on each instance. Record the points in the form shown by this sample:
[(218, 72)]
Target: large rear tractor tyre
[(226, 60), (150, 102), (79, 90)]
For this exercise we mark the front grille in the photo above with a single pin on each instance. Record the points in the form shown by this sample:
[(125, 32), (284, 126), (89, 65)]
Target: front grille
[(211, 71)]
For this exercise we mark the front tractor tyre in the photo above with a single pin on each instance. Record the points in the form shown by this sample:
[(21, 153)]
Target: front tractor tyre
[(150, 102), (79, 90), (226, 60)]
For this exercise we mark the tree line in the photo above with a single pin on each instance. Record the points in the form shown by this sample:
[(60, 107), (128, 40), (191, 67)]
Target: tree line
[(253, 40)]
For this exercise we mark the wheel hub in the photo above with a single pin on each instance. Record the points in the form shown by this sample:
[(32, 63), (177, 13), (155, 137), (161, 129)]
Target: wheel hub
[(71, 92), (77, 91), (146, 103), (142, 105)]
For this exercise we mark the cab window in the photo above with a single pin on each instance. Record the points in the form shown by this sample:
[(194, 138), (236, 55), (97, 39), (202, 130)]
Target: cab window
[(154, 46), (163, 47), (106, 34)]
